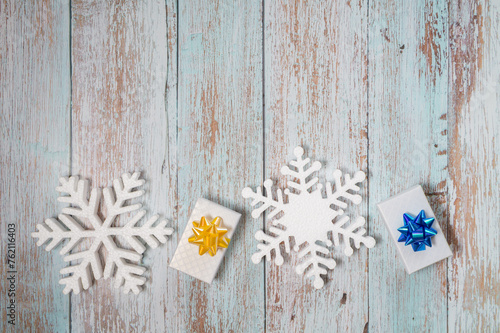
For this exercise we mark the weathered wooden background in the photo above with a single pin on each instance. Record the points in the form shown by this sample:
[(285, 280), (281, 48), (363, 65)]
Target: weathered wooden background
[(207, 97)]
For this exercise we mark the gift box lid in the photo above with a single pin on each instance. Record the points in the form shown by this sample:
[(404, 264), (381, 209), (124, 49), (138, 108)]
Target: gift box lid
[(412, 201)]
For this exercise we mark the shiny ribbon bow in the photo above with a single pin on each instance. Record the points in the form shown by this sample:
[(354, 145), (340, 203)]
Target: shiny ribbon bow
[(209, 236), (417, 231)]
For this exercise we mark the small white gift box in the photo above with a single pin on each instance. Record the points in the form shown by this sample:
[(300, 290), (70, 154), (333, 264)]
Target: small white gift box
[(187, 258), (412, 201)]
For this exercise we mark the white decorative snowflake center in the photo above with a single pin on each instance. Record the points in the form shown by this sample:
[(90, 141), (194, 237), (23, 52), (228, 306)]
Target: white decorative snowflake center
[(84, 208), (309, 217)]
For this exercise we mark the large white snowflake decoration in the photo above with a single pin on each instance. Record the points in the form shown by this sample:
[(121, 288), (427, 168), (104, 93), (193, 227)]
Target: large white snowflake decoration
[(84, 208), (309, 217)]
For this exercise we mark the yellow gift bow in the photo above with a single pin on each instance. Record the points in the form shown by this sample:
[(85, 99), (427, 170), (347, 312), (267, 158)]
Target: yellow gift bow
[(209, 236)]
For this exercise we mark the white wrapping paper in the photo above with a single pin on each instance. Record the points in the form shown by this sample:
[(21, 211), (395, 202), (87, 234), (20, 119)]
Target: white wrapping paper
[(412, 201)]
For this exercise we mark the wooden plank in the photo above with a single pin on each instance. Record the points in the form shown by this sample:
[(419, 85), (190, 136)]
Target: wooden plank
[(408, 79), (169, 287), (220, 152), (124, 119), (474, 299), (34, 151), (330, 69), (315, 94)]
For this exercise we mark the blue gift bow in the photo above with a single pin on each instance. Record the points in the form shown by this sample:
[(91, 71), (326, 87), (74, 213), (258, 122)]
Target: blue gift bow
[(417, 231)]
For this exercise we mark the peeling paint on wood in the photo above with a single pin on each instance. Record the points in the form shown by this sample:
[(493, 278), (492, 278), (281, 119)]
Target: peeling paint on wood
[(220, 152), (407, 99), (35, 95), (208, 98), (315, 93), (123, 61), (474, 146)]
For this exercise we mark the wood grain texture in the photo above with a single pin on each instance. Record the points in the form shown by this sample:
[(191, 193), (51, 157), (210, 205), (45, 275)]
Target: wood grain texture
[(121, 56), (220, 152), (169, 288), (211, 97), (315, 94), (474, 144), (408, 77), (35, 94)]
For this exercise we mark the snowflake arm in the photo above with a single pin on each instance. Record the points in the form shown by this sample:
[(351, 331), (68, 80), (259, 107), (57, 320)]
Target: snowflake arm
[(54, 230), (77, 192), (266, 199), (270, 243), (127, 272), (302, 172), (341, 191), (123, 190), (316, 260), (80, 273), (152, 235), (351, 233)]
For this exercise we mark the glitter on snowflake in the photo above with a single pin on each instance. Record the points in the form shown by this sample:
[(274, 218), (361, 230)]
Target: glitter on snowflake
[(122, 262), (308, 217)]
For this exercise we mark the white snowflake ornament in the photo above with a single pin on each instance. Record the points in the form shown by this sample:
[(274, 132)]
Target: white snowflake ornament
[(309, 217), (84, 208)]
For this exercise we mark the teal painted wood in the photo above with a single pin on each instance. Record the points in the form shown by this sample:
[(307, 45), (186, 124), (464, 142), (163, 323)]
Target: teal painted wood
[(408, 82), (315, 94), (123, 63), (35, 96), (474, 145), (406, 91), (170, 291), (220, 152)]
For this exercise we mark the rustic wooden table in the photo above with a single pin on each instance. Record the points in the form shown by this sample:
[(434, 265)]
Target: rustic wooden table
[(207, 97)]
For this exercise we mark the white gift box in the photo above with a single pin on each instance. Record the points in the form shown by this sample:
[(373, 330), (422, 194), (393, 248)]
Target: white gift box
[(412, 201), (187, 259)]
